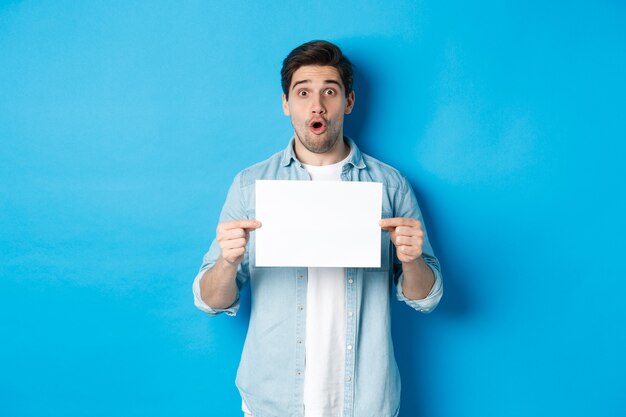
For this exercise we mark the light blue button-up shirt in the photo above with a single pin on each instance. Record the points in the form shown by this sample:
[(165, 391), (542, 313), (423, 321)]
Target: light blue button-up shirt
[(271, 372)]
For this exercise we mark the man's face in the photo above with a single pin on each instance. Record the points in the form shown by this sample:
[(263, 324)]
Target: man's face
[(317, 103)]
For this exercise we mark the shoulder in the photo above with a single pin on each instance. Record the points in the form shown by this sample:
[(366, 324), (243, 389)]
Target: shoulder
[(379, 171), (266, 169)]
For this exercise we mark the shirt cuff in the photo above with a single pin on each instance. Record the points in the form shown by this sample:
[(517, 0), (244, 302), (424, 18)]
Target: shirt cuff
[(428, 304), (197, 300)]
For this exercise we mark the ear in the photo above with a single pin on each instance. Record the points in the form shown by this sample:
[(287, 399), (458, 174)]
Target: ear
[(350, 102), (285, 106)]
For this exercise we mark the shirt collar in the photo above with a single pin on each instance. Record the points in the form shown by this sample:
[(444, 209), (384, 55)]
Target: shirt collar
[(356, 158)]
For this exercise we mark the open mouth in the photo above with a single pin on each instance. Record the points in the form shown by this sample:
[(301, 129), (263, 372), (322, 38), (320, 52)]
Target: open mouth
[(317, 127)]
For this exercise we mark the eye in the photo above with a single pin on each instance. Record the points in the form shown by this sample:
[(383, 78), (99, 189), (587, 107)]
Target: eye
[(329, 92), (303, 93)]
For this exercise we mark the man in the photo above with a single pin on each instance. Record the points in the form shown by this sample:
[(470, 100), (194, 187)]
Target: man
[(319, 339)]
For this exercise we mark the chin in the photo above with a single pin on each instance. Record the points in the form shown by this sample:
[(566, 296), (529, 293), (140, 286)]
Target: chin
[(321, 147), (318, 143)]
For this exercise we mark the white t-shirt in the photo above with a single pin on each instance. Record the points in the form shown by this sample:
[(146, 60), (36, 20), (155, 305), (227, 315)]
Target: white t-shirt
[(325, 327)]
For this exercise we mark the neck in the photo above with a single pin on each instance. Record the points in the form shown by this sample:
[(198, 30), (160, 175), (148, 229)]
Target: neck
[(338, 153)]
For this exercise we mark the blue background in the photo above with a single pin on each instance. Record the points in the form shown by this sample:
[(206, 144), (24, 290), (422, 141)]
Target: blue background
[(122, 124)]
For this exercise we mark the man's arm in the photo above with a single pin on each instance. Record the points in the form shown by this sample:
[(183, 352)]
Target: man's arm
[(218, 287), (408, 237), (418, 279)]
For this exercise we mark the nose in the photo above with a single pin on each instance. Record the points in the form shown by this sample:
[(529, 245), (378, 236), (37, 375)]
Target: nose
[(317, 106)]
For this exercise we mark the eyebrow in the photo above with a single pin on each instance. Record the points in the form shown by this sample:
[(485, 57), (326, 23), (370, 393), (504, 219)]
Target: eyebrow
[(325, 81)]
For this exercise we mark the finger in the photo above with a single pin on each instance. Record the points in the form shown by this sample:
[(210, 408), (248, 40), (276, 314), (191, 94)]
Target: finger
[(407, 240), (240, 224), (409, 250), (231, 234), (409, 231), (232, 244), (398, 221), (231, 255)]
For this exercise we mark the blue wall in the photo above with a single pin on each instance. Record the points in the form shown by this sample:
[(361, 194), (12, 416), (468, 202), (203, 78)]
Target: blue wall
[(123, 123)]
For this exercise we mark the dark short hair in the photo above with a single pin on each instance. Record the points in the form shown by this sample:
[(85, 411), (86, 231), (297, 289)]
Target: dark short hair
[(320, 53)]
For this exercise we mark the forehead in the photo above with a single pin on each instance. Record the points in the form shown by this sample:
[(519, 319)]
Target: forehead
[(316, 74)]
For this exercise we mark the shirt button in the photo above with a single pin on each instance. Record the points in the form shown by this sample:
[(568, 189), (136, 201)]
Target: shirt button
[(350, 281), (299, 341), (350, 313), (349, 347), (298, 373), (300, 308), (300, 276), (348, 379)]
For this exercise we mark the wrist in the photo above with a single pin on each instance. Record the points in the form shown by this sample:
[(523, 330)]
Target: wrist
[(415, 261), (227, 266)]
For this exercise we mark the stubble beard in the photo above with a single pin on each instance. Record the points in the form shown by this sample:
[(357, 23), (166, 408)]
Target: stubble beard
[(317, 143)]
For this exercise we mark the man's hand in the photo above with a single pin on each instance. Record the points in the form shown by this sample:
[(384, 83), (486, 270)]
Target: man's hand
[(233, 236), (407, 235)]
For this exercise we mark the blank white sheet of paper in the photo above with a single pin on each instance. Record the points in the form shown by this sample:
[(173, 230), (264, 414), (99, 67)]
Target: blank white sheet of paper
[(318, 223)]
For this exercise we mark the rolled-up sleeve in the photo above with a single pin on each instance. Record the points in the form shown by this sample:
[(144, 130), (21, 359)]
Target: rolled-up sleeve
[(197, 300), (428, 304), (233, 209), (407, 206)]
